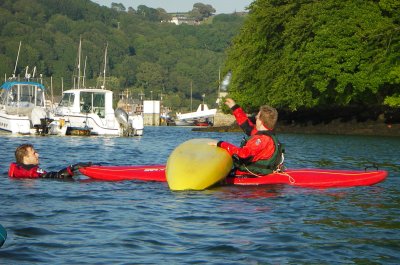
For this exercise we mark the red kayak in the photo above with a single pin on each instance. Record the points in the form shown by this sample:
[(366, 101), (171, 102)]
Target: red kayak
[(118, 173), (310, 178)]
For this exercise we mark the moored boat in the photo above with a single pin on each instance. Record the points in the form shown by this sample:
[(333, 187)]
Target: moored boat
[(89, 111), (22, 106), (87, 108), (190, 119)]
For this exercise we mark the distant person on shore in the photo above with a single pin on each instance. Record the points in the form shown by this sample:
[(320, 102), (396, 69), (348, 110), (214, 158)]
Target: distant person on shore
[(27, 165), (261, 153)]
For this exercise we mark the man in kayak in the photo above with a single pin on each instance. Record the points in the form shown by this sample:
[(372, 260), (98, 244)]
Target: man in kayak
[(261, 153), (27, 165)]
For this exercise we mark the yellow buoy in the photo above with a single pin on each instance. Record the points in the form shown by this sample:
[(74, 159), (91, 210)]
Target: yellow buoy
[(195, 165)]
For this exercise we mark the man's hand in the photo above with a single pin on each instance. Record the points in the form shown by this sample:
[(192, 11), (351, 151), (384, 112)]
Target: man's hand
[(230, 102), (77, 166)]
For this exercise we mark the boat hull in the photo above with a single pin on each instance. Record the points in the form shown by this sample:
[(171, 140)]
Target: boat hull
[(15, 124), (91, 121)]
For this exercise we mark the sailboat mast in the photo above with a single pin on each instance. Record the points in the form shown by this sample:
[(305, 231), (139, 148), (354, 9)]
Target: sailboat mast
[(51, 89), (79, 62), (105, 66), (16, 62), (84, 73)]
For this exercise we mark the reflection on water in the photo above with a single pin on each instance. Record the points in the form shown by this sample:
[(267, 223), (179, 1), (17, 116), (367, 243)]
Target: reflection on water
[(133, 222)]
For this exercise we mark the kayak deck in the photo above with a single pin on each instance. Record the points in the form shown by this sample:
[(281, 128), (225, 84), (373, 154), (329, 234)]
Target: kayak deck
[(119, 173), (309, 178), (315, 178)]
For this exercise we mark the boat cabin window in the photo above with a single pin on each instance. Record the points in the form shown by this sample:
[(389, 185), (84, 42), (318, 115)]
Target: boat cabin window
[(92, 102), (23, 96), (67, 100), (3, 97), (26, 94)]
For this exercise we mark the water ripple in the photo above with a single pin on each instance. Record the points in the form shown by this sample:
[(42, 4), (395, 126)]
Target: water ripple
[(133, 222)]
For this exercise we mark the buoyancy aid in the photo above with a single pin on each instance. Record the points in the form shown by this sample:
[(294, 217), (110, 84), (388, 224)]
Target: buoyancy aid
[(262, 166), (34, 171), (24, 171)]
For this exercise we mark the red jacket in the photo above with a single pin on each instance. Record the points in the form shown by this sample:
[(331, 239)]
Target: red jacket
[(34, 171), (260, 146)]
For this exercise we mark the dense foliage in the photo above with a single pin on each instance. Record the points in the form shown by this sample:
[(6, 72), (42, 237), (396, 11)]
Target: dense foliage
[(302, 54), (144, 55)]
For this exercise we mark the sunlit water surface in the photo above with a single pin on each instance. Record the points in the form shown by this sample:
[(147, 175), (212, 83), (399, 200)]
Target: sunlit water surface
[(132, 222)]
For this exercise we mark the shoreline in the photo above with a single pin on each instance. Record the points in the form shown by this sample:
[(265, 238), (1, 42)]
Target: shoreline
[(368, 128)]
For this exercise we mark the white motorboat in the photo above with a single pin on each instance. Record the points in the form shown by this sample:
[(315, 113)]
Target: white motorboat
[(87, 109), (22, 107)]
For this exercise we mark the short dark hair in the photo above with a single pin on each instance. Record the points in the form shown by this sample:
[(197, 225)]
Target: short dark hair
[(21, 152)]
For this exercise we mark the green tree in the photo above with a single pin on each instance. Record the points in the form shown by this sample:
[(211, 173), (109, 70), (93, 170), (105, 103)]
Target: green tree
[(118, 7), (150, 76), (314, 53), (5, 17), (201, 11), (151, 14), (163, 15), (126, 71)]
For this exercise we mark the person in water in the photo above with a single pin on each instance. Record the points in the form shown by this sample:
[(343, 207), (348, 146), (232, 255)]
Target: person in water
[(27, 165), (261, 153)]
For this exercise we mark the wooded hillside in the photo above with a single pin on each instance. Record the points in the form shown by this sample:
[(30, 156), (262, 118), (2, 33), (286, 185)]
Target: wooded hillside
[(144, 55), (307, 58)]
